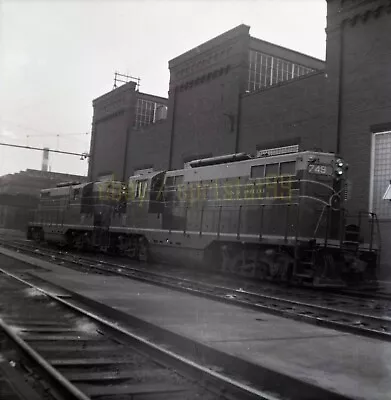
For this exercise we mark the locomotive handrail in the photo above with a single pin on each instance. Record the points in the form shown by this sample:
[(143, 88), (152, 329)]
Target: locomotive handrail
[(218, 227), (233, 186), (261, 222), (239, 222), (287, 222), (202, 220), (372, 220), (185, 223), (319, 220)]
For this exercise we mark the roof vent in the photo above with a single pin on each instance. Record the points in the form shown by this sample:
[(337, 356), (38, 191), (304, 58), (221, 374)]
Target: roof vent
[(277, 151)]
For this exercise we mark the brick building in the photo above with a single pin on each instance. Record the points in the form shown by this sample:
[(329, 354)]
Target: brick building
[(120, 119), (19, 194), (207, 85), (236, 93)]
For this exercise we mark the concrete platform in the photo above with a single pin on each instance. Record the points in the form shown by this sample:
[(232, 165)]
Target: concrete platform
[(353, 366)]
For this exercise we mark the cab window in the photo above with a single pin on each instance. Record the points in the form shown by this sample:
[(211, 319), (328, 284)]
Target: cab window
[(141, 189), (288, 168)]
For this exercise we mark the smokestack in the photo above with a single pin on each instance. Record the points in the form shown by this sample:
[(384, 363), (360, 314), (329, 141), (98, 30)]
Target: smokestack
[(45, 159)]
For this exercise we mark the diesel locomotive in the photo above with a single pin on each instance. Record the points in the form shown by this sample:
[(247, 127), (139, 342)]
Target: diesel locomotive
[(279, 217)]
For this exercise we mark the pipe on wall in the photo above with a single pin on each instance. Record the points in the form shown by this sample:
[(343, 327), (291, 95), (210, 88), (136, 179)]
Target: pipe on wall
[(238, 118), (340, 85), (172, 133)]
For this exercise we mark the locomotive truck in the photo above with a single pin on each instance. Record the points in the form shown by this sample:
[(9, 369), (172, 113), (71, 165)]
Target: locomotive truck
[(279, 218)]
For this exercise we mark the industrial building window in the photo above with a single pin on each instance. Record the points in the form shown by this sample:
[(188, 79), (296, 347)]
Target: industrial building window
[(149, 112), (380, 174), (266, 70)]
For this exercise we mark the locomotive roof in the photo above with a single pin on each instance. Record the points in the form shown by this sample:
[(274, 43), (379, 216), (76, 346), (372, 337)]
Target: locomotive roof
[(243, 168), (231, 169), (146, 175), (63, 190)]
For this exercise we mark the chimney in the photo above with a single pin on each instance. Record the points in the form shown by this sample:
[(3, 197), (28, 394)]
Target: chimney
[(45, 159)]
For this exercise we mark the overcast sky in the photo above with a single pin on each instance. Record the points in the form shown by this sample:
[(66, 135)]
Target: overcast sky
[(57, 56)]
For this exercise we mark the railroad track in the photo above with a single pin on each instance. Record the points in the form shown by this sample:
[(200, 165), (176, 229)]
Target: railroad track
[(351, 314), (79, 355)]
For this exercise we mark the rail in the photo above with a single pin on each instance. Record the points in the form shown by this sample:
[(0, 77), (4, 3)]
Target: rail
[(190, 368)]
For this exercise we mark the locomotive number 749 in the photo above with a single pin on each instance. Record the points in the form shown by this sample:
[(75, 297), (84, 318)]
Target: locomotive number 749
[(319, 169)]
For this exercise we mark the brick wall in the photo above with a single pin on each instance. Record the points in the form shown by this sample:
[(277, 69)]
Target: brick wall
[(366, 96), (112, 121), (288, 111), (149, 148), (207, 82), (201, 124), (110, 140), (363, 68)]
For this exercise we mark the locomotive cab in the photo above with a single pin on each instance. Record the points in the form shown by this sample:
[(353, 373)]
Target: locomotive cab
[(145, 199)]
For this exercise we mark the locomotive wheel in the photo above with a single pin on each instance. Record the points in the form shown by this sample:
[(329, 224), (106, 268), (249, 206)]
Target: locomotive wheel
[(78, 242), (274, 269), (285, 263), (261, 270), (238, 260), (276, 266), (38, 235)]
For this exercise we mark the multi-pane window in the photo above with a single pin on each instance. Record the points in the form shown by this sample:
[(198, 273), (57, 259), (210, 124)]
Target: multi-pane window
[(275, 169), (148, 112), (265, 70), (380, 174)]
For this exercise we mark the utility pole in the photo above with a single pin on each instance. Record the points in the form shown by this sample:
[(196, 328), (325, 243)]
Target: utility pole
[(45, 159)]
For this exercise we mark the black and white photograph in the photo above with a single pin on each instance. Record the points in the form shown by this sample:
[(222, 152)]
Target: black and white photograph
[(195, 199)]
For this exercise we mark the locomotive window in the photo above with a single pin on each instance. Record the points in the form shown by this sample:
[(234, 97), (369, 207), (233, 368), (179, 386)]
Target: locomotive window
[(170, 180), (272, 170), (258, 171), (144, 189), (141, 189), (179, 180), (288, 168), (76, 193)]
